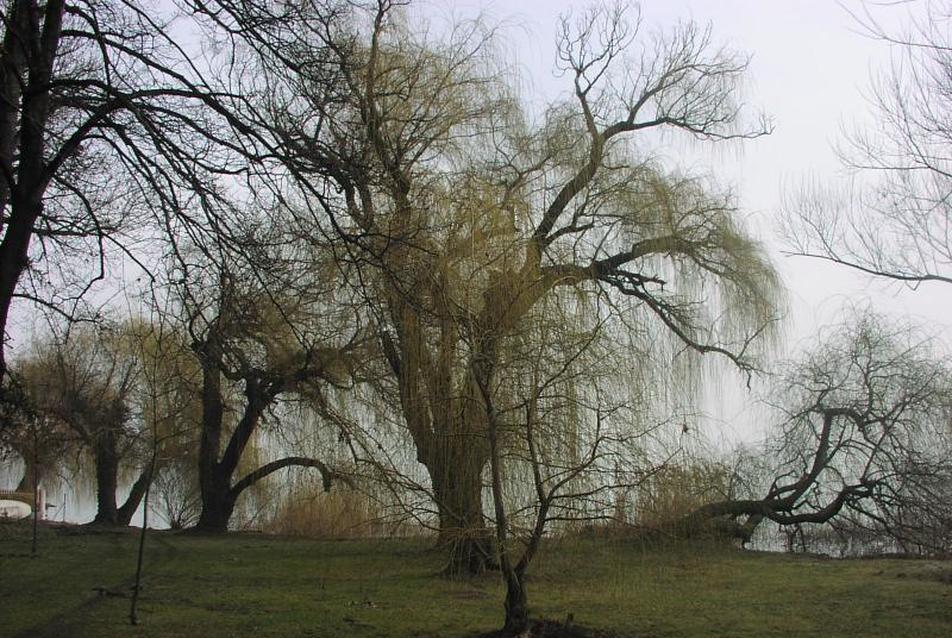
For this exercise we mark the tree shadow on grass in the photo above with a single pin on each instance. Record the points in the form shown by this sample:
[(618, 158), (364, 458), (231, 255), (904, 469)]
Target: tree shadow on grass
[(545, 628)]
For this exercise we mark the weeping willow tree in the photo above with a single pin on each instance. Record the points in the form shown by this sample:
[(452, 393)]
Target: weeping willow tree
[(261, 324), (88, 387), (461, 210), (42, 445)]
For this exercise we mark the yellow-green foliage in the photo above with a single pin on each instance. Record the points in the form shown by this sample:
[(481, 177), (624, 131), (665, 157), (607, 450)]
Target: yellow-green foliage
[(677, 490), (339, 513)]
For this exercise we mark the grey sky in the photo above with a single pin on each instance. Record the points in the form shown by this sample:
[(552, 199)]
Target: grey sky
[(810, 72)]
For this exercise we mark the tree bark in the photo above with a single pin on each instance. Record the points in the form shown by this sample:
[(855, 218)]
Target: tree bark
[(444, 416), (218, 504), (32, 49), (455, 470), (516, 604), (214, 488), (128, 509), (30, 470), (217, 467), (107, 477)]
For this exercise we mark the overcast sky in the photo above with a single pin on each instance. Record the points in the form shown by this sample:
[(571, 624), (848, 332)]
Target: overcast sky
[(810, 71)]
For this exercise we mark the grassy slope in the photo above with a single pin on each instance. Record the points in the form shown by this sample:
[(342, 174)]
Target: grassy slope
[(259, 586)]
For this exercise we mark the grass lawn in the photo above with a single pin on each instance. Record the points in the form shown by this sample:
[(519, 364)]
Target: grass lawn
[(249, 585)]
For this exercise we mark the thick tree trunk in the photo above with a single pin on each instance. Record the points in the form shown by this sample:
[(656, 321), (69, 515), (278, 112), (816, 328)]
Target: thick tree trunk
[(216, 467), (34, 50), (14, 250), (214, 487), (218, 504), (107, 478), (444, 415), (215, 477), (16, 237), (458, 488)]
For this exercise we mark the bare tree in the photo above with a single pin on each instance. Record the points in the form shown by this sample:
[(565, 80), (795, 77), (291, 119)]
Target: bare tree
[(566, 428), (892, 220), (169, 400), (259, 330), (178, 499), (461, 215), (864, 435), (110, 137)]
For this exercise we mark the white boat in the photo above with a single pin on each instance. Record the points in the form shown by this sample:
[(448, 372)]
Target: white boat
[(14, 509)]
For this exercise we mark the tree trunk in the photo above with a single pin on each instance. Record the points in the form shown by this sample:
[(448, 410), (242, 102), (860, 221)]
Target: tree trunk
[(128, 509), (36, 51), (107, 477), (448, 427), (218, 504), (458, 489), (17, 230), (216, 511), (216, 468), (14, 250), (517, 611), (30, 470)]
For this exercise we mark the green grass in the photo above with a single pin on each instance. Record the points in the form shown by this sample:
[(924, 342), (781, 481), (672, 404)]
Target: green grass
[(247, 585)]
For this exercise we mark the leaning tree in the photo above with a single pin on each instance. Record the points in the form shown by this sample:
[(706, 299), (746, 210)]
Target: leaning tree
[(863, 436)]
